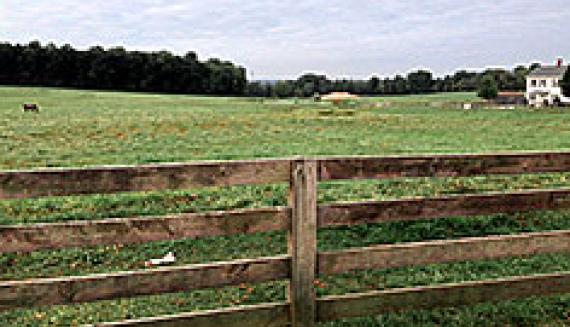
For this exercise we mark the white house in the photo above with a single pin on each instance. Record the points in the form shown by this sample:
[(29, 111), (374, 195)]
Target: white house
[(543, 85)]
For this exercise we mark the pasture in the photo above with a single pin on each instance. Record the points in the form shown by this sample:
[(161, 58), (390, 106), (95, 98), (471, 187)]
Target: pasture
[(79, 128)]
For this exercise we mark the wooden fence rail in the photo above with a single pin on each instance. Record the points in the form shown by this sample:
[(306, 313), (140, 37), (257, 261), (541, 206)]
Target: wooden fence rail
[(26, 238), (427, 297), (58, 182), (443, 251), (300, 219), (69, 290), (266, 315)]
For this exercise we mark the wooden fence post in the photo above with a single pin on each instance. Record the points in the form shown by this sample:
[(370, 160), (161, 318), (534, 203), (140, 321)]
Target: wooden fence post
[(303, 242)]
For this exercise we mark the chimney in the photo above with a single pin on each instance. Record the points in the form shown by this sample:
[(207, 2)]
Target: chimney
[(560, 62)]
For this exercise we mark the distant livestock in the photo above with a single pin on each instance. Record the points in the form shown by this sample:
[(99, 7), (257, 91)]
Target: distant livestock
[(32, 107)]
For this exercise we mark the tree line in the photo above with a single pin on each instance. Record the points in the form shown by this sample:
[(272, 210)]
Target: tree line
[(416, 82), (115, 68)]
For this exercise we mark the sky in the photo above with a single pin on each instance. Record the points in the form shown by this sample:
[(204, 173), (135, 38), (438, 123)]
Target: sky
[(285, 38)]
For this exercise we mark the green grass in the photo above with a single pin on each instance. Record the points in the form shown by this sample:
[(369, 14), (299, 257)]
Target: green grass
[(78, 128)]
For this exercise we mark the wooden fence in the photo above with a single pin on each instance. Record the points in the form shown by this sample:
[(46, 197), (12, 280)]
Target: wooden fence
[(302, 218)]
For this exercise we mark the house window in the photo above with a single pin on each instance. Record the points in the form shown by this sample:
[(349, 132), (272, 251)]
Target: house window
[(542, 83), (533, 83)]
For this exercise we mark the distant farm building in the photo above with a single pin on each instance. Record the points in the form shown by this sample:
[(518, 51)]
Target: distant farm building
[(543, 87), (338, 97), (511, 98)]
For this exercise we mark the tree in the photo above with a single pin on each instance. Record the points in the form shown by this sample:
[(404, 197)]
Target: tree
[(566, 83), (400, 85), (256, 89), (534, 66), (420, 81), (373, 85), (117, 69), (284, 89), (520, 73), (312, 83), (489, 88)]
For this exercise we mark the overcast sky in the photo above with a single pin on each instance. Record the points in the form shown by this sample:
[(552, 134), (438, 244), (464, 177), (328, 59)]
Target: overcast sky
[(284, 38)]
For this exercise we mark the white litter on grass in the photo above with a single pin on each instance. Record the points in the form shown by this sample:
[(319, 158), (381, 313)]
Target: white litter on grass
[(167, 259)]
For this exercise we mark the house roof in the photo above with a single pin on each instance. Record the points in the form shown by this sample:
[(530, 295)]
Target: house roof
[(549, 71), (511, 94)]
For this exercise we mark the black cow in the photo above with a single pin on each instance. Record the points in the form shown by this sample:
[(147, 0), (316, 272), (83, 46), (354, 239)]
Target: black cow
[(32, 107)]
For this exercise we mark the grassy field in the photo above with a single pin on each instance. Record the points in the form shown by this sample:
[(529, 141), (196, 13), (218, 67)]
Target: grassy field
[(88, 128), (79, 128)]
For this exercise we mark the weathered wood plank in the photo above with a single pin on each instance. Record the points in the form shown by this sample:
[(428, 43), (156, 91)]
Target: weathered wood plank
[(443, 251), (69, 290), (261, 315), (379, 302), (343, 214), (443, 165), (303, 242), (57, 182), (26, 238)]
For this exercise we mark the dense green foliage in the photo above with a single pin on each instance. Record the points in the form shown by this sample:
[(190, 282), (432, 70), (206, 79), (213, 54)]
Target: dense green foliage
[(76, 128), (416, 82), (117, 69), (488, 89)]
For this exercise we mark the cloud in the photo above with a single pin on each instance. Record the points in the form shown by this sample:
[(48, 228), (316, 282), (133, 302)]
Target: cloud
[(284, 38)]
